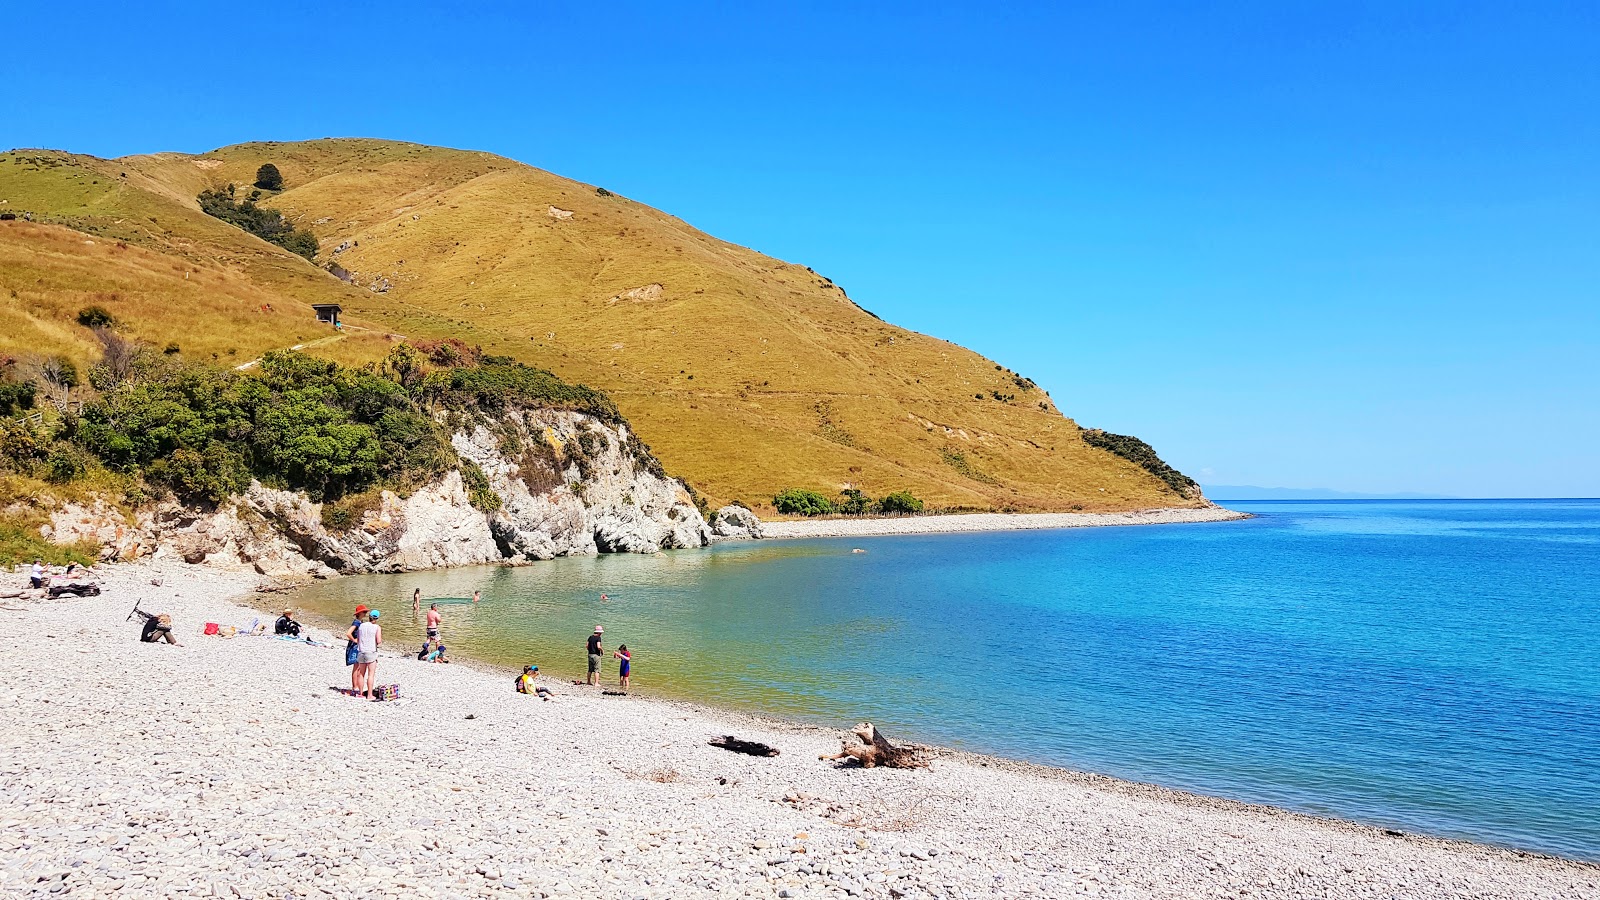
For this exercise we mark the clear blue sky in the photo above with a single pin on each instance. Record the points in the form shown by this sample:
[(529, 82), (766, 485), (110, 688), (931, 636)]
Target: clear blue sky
[(1346, 245)]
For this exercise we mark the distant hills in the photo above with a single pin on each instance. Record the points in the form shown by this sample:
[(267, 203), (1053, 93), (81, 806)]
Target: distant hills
[(746, 374), (1225, 492)]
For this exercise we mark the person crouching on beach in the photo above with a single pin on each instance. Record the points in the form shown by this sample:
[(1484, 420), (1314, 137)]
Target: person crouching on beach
[(368, 637), (596, 654), (626, 668)]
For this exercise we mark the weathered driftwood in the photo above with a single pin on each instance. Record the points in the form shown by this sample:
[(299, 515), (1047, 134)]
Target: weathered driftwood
[(751, 748), (875, 750)]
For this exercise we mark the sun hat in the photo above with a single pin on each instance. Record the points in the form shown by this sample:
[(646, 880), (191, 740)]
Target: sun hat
[(598, 629), (361, 609)]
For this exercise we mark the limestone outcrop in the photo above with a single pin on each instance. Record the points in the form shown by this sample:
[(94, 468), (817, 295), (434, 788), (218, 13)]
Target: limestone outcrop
[(533, 484), (735, 522)]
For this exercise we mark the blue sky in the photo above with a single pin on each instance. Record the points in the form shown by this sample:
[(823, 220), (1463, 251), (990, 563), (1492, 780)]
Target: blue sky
[(1351, 245)]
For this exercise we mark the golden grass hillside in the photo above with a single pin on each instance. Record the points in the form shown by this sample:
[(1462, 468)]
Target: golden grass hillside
[(746, 374)]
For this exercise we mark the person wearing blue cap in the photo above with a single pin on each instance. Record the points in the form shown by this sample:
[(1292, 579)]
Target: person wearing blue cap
[(527, 683)]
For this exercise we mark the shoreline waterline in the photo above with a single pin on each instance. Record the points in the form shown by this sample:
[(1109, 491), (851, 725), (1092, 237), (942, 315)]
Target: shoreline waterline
[(961, 523)]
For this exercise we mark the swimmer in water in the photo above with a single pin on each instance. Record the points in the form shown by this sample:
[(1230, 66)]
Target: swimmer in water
[(476, 596)]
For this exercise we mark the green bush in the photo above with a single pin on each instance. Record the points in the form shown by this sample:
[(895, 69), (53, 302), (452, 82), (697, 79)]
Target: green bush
[(801, 502), (268, 178), (64, 464), (301, 423), (95, 317), (479, 493), (854, 503), (17, 397), (1143, 455), (899, 503), (264, 223)]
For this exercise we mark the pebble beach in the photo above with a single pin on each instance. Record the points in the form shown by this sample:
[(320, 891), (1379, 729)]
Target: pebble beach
[(228, 767)]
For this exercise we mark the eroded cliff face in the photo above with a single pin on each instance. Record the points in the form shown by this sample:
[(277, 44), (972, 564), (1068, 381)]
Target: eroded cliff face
[(538, 484)]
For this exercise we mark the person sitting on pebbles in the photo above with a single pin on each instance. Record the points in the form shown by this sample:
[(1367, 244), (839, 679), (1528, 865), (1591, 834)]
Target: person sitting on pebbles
[(527, 683), (286, 624)]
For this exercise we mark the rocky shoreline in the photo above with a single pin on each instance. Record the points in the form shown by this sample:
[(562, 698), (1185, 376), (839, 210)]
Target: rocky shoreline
[(965, 522), (227, 767)]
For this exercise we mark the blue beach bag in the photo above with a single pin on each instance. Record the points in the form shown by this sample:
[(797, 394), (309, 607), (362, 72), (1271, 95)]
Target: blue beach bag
[(351, 651)]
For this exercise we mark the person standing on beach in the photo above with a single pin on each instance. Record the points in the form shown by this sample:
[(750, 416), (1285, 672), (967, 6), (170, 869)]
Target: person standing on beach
[(626, 668), (352, 651), (36, 577), (433, 621), (596, 653), (368, 637)]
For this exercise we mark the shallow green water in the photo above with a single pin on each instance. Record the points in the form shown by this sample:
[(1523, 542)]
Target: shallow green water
[(1428, 666)]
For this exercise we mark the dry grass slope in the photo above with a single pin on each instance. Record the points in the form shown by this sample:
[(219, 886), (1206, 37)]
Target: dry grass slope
[(745, 373)]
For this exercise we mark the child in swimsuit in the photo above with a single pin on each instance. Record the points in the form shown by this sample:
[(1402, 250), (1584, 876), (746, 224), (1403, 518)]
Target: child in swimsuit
[(626, 666)]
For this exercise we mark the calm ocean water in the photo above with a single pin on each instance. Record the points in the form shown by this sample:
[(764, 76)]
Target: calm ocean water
[(1430, 666)]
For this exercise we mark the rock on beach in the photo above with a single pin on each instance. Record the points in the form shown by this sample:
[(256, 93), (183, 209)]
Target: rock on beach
[(227, 768)]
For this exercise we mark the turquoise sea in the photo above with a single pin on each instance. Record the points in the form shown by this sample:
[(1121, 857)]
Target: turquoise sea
[(1428, 666)]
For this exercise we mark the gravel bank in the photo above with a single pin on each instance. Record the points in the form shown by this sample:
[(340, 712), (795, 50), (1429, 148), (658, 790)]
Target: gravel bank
[(228, 768), (809, 528)]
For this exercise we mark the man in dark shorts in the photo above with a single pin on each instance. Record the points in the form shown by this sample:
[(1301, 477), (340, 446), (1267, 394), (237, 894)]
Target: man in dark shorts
[(596, 653)]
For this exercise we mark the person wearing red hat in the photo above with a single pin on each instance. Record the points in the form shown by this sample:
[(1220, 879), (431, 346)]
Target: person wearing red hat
[(351, 651)]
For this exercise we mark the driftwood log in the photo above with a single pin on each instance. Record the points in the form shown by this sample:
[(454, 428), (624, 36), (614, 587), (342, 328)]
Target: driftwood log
[(751, 748), (875, 750)]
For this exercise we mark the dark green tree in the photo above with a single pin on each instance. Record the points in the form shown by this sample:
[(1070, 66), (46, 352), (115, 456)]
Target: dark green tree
[(268, 178), (802, 502)]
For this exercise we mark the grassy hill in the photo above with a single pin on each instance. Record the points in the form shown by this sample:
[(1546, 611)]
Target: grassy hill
[(745, 373)]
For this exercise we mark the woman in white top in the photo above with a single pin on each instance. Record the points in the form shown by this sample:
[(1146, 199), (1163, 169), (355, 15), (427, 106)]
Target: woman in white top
[(368, 637)]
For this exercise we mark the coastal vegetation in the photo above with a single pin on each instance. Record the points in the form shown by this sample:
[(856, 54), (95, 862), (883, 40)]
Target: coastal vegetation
[(149, 424), (1144, 455), (852, 502)]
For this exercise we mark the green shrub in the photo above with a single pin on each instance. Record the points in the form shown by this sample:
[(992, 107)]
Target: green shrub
[(17, 397), (264, 223), (64, 464), (899, 503), (801, 502), (479, 493), (854, 503), (1143, 455), (95, 317), (268, 178)]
